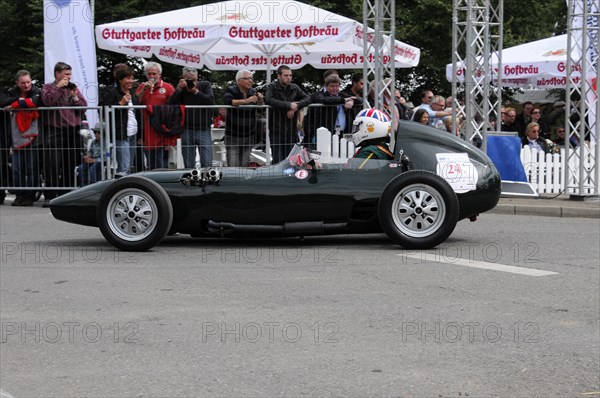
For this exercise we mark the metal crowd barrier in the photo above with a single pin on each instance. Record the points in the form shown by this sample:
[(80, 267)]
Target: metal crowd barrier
[(53, 161), (39, 151)]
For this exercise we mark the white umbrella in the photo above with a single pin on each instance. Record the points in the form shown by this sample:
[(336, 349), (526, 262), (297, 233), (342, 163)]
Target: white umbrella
[(257, 35), (540, 63)]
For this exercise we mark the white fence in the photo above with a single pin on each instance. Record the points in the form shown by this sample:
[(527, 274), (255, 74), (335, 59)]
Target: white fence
[(545, 172)]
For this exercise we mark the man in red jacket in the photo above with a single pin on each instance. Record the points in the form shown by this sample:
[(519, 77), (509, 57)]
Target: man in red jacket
[(155, 92)]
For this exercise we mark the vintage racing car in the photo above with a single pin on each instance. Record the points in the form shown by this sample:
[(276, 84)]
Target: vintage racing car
[(417, 203)]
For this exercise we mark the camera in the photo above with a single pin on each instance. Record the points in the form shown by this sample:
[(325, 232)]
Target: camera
[(190, 83), (71, 86)]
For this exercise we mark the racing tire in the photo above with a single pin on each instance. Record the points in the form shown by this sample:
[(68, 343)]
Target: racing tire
[(134, 213), (418, 210)]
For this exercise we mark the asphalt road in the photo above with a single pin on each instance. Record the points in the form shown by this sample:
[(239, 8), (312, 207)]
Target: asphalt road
[(329, 316)]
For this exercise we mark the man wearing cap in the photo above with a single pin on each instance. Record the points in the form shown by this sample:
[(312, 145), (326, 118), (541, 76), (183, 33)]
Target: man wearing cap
[(90, 169)]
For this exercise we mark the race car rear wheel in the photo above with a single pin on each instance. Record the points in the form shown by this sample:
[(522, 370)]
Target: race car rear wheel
[(134, 214), (418, 210)]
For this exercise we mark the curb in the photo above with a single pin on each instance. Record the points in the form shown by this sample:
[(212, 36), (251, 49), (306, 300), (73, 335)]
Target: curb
[(547, 211)]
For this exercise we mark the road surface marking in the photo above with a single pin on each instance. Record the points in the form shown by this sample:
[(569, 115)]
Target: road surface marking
[(478, 264)]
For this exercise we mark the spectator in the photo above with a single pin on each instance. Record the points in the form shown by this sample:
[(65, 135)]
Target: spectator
[(241, 126), (409, 110), (536, 116), (136, 152), (508, 124), (337, 119), (389, 104), (449, 102), (401, 105), (492, 120), (196, 134), (532, 138), (356, 87), (24, 132), (90, 170), (219, 121), (438, 105), (426, 98), (62, 140), (561, 138), (330, 72), (286, 99), (421, 116), (127, 120), (431, 106), (524, 118), (449, 124), (5, 144), (155, 91), (105, 90)]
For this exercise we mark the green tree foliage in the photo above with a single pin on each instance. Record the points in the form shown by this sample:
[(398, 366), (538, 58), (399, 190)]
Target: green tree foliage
[(426, 24), (22, 39)]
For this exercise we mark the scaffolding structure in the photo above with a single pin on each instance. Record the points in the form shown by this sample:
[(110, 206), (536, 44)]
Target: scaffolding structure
[(476, 35), (380, 16), (582, 106)]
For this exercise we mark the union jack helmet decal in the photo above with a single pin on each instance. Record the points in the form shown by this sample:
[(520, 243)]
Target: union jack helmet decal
[(375, 114)]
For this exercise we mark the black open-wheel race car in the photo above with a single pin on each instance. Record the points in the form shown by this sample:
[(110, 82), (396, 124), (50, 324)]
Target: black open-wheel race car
[(417, 198)]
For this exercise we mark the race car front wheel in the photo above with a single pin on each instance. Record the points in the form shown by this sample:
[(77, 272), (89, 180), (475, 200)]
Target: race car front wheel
[(418, 210), (135, 213)]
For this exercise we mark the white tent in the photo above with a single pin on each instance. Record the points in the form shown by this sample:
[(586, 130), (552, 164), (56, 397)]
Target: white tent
[(540, 64), (256, 35)]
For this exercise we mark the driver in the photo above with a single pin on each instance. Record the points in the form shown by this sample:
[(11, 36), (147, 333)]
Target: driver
[(371, 133)]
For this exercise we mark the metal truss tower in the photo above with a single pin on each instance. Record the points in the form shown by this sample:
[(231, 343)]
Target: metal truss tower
[(380, 16), (582, 111), (476, 35)]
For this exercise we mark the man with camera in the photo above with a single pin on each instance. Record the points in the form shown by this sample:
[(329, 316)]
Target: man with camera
[(196, 133), (62, 140), (155, 91)]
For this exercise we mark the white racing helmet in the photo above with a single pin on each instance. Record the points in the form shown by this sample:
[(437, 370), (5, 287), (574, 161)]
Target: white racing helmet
[(370, 124)]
